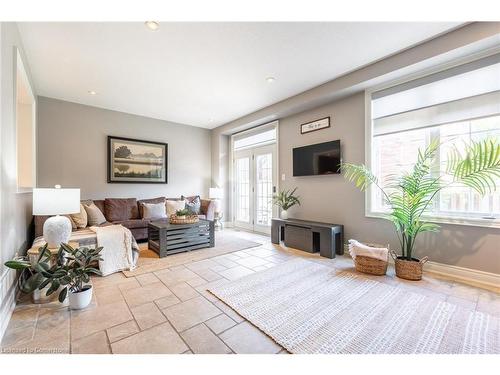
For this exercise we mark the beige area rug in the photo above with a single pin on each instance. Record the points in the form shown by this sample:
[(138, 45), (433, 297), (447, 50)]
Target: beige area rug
[(225, 243), (307, 308)]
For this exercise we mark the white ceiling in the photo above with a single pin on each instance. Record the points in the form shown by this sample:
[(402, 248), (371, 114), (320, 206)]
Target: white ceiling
[(203, 74)]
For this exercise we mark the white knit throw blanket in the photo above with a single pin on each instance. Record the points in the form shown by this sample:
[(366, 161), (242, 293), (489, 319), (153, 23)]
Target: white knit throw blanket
[(116, 241), (357, 248)]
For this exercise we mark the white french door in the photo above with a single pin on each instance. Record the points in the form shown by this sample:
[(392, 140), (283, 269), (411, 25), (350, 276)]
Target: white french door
[(254, 184)]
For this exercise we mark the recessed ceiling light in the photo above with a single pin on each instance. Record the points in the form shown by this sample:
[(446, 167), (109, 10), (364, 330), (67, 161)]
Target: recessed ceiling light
[(92, 92), (152, 25), (270, 79)]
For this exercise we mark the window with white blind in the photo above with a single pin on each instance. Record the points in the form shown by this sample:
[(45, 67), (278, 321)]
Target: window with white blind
[(454, 106)]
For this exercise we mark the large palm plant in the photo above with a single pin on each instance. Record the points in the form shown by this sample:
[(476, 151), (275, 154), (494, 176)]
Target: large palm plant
[(411, 194)]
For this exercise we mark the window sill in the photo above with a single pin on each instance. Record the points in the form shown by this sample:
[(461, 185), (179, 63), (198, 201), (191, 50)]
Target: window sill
[(471, 222), (24, 190)]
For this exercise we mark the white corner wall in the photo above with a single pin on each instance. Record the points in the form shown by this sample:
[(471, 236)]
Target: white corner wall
[(15, 208)]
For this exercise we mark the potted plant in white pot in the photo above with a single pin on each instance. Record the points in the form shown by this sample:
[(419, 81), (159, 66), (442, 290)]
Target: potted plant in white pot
[(69, 275), (286, 199), (411, 195)]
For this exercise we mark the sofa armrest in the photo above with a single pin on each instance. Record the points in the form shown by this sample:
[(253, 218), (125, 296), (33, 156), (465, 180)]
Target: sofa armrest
[(208, 209)]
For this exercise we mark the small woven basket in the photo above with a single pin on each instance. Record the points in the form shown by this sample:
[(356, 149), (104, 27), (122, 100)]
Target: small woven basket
[(409, 269), (189, 219), (369, 265)]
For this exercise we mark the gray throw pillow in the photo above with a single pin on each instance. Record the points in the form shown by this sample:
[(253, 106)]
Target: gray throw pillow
[(154, 211), (94, 215), (193, 205)]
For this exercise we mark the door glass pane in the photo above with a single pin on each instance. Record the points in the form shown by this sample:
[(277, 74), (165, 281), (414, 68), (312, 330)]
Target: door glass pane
[(264, 188), (242, 172)]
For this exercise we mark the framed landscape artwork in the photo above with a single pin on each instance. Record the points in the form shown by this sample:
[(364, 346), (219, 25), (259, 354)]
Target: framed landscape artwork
[(136, 161)]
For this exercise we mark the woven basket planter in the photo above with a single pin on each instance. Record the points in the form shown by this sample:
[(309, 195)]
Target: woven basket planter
[(369, 265), (189, 219), (409, 269)]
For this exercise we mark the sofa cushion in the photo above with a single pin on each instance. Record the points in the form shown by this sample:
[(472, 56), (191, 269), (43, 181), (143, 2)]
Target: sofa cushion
[(94, 214), (73, 224), (208, 208), (154, 210), (134, 223), (204, 204), (100, 204), (120, 209), (152, 200), (80, 219), (193, 204), (173, 206)]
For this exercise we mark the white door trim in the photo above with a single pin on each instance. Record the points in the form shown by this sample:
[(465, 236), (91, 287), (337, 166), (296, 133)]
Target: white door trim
[(243, 154), (262, 150), (231, 218)]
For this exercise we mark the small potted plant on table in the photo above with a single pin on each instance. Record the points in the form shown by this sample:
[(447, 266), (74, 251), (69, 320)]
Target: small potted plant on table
[(410, 195), (286, 199), (69, 275), (181, 214)]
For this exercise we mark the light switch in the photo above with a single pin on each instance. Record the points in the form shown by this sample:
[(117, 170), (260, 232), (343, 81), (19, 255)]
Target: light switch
[(283, 177)]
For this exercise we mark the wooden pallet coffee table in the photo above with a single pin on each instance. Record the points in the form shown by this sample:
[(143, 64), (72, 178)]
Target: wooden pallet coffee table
[(166, 238)]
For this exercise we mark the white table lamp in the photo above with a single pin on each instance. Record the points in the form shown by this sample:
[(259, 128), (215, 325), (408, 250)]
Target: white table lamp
[(57, 201), (215, 193)]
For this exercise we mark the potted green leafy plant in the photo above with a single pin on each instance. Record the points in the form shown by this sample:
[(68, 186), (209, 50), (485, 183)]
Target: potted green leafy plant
[(286, 199), (410, 196), (69, 275), (181, 214), (28, 279)]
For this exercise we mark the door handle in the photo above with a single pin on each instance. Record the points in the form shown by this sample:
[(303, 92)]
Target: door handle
[(274, 189)]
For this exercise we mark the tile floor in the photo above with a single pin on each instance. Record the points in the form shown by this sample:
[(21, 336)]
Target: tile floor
[(170, 311)]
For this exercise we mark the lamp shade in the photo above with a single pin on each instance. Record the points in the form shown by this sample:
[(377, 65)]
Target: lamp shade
[(56, 201), (215, 193)]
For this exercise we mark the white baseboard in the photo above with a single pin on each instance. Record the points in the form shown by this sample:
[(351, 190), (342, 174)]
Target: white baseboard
[(465, 275), (7, 298)]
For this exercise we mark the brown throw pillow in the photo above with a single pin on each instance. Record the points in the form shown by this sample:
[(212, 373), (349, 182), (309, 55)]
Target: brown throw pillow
[(73, 225), (80, 219), (120, 209)]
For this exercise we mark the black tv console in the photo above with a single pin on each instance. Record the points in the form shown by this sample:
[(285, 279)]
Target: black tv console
[(309, 236)]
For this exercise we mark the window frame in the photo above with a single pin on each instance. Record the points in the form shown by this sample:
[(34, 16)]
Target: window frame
[(369, 156)]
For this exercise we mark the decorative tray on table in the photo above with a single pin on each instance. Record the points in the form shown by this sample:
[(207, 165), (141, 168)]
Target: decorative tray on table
[(187, 219)]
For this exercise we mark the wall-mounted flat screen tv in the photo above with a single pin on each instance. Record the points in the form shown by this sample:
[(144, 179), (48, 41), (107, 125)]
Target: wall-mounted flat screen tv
[(318, 159)]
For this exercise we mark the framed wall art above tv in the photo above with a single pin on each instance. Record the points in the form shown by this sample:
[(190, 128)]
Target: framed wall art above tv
[(137, 161)]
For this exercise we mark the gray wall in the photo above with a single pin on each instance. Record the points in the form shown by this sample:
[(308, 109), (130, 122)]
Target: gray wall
[(332, 199), (329, 198), (15, 208), (469, 39), (72, 151)]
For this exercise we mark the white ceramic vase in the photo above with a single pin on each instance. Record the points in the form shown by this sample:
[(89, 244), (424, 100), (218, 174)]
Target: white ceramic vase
[(56, 230), (284, 214), (80, 300)]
